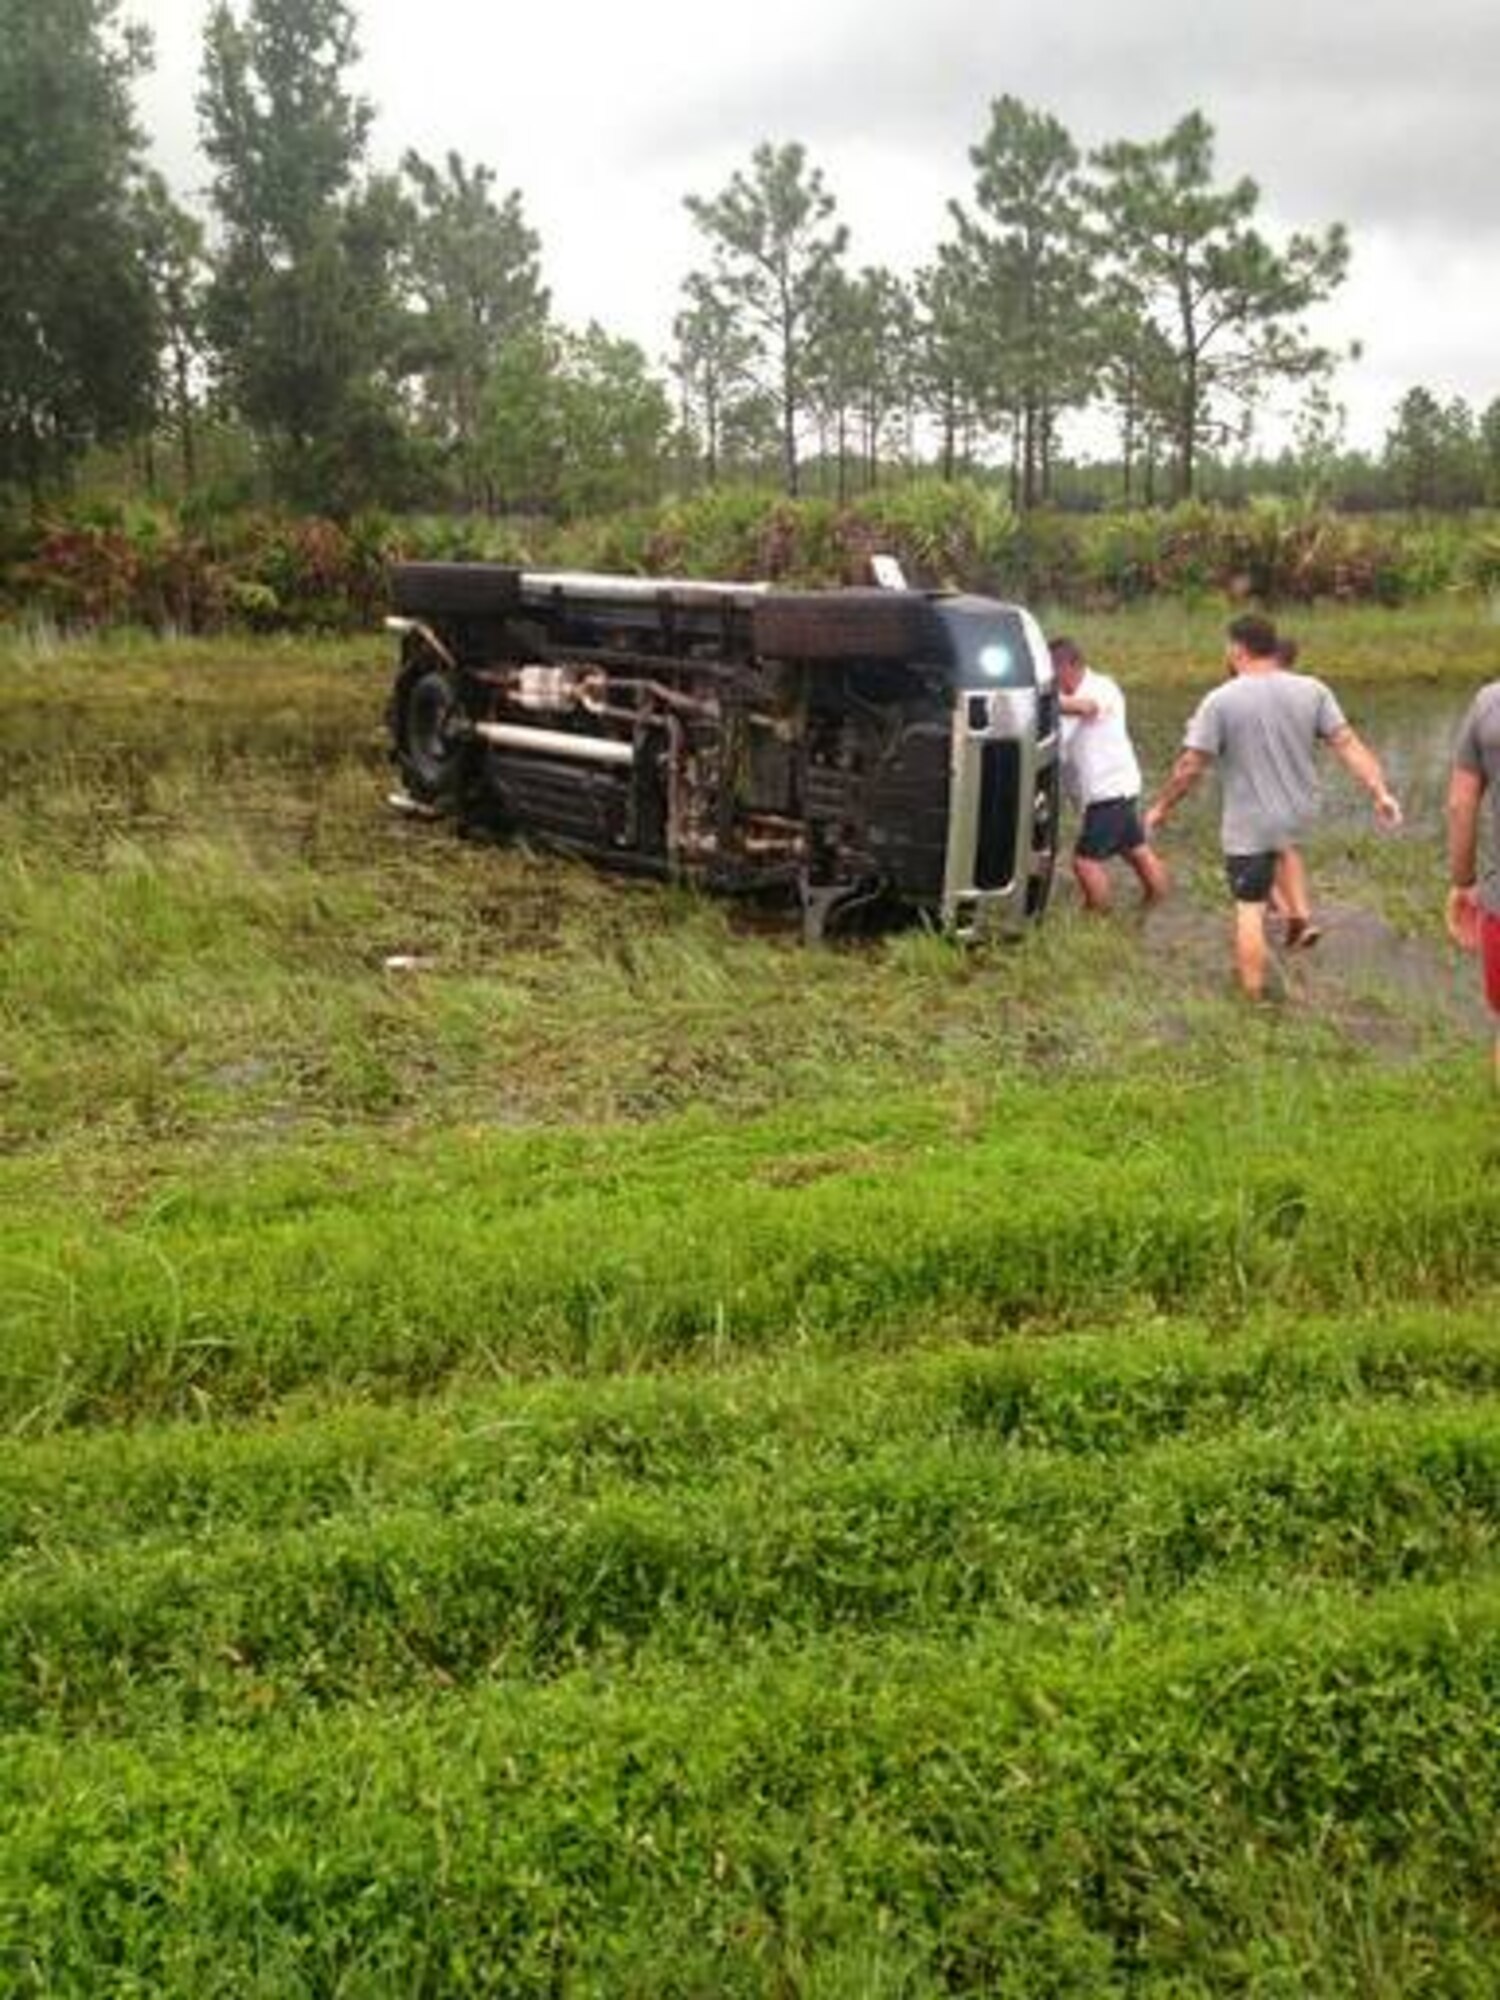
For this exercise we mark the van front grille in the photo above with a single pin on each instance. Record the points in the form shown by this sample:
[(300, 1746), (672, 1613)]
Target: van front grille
[(999, 815)]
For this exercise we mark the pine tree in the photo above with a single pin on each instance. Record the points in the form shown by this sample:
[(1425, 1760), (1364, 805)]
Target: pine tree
[(1225, 303), (775, 246), (475, 274), (1031, 281)]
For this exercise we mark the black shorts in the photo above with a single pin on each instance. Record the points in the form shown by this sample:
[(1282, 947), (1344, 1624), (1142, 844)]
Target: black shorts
[(1251, 875), (1110, 826)]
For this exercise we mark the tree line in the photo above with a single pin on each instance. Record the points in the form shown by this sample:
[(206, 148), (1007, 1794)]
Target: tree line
[(338, 336)]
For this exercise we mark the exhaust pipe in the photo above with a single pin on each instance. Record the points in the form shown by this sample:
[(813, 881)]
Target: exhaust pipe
[(555, 743)]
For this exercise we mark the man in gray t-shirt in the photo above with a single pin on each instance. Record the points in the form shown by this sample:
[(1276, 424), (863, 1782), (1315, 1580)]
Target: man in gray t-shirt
[(1262, 729), (1474, 894)]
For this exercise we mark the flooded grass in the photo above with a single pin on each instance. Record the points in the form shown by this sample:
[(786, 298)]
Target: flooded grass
[(213, 923)]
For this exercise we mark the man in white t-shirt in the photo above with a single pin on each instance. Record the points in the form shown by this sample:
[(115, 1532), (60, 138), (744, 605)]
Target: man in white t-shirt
[(1103, 778)]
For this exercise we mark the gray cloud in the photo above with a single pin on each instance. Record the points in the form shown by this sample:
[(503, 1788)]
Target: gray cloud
[(1377, 113)]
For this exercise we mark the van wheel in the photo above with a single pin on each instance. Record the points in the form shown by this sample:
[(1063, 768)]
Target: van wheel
[(432, 749)]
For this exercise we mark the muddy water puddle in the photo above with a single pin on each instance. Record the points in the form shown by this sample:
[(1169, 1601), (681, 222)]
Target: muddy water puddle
[(1381, 970), (1371, 981)]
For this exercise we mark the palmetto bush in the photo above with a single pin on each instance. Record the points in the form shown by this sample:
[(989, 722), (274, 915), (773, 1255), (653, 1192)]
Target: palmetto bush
[(169, 571)]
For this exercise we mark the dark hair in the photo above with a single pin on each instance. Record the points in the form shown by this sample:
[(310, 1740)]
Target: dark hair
[(1256, 635), (1066, 650), (1287, 651)]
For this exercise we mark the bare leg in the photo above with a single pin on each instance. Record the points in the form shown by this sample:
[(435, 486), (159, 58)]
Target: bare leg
[(1093, 882), (1291, 883), (1151, 871), (1250, 948)]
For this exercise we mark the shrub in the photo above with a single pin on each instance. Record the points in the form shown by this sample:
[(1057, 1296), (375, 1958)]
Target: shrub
[(200, 569)]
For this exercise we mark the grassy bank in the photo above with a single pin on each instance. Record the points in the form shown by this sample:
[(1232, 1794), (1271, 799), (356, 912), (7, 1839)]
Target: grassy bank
[(625, 1457)]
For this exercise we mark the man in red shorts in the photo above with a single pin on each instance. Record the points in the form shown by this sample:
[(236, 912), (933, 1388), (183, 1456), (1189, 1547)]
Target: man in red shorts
[(1474, 897)]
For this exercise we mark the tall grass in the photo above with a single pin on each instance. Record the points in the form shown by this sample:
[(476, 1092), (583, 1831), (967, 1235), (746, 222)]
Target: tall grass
[(530, 1254), (1255, 1797), (417, 1597), (200, 888), (1099, 1395)]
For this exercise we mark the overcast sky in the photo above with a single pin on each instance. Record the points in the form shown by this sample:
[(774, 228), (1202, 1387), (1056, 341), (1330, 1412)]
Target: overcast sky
[(605, 113)]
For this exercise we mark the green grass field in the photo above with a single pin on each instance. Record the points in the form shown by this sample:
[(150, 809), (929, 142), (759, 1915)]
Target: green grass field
[(628, 1458)]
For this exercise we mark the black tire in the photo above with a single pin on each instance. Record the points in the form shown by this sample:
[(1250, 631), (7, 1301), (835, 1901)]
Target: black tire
[(437, 589), (847, 625), (432, 755)]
